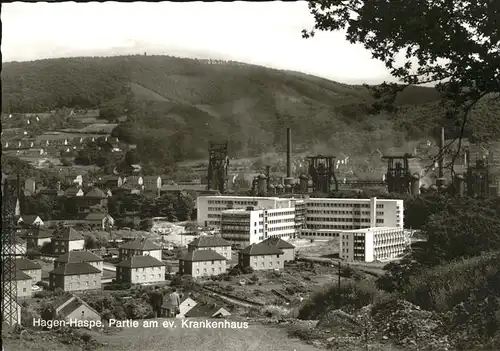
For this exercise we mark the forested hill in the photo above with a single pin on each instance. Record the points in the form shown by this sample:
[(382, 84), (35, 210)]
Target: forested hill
[(176, 105)]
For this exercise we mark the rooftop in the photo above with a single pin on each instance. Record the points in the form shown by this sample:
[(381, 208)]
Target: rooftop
[(202, 255), (67, 234), (140, 261), (203, 310), (96, 216), (140, 244), (97, 193), (209, 241), (278, 243), (75, 268), (261, 249), (24, 264), (20, 275), (38, 233), (372, 229), (78, 256), (28, 219)]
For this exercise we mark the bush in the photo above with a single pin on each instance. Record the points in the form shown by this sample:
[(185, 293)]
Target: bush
[(352, 295), (117, 286)]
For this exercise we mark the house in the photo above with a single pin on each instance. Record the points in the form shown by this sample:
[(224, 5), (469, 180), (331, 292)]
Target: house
[(208, 310), (94, 197), (140, 247), (211, 242), (72, 192), (23, 284), (70, 307), (67, 239), (187, 303), (33, 269), (261, 257), (99, 220), (109, 181), (134, 181), (30, 220), (140, 270), (202, 263), (37, 238), (75, 277), (287, 248), (80, 256)]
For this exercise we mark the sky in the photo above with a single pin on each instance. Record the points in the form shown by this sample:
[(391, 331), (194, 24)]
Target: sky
[(261, 33)]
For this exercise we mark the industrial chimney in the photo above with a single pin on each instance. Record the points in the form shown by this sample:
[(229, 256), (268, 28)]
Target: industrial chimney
[(288, 179)]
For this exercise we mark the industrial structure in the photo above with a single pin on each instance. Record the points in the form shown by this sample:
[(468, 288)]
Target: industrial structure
[(398, 176), (218, 163), (321, 170), (10, 307)]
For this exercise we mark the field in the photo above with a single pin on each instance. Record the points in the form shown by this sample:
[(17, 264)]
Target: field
[(256, 337)]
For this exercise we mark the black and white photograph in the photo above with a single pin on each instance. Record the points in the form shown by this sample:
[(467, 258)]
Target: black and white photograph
[(250, 175)]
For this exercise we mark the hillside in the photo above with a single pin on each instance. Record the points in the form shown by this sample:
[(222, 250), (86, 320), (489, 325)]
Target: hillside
[(176, 105)]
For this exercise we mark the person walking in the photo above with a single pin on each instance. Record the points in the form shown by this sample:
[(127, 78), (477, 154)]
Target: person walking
[(175, 302)]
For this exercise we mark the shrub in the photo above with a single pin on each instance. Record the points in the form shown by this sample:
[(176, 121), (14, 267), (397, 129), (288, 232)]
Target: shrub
[(352, 295), (274, 311), (254, 278)]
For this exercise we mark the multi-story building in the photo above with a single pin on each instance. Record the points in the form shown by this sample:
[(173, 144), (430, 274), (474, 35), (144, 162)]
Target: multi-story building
[(34, 270), (243, 227), (261, 257), (202, 263), (66, 240), (141, 247), (211, 242), (23, 284), (209, 208), (140, 270), (75, 277), (326, 217), (80, 256), (37, 237), (373, 244)]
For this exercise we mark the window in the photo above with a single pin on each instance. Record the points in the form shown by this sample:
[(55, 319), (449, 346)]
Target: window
[(197, 271), (24, 289)]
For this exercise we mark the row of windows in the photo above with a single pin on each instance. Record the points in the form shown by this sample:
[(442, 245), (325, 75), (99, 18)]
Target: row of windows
[(152, 276), (331, 235), (85, 284), (205, 270), (225, 202), (337, 219)]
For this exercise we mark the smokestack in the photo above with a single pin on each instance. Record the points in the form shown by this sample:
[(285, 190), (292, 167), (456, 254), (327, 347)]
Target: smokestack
[(288, 152), (441, 154)]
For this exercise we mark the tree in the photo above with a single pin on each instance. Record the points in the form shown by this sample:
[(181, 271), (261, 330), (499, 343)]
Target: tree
[(454, 44)]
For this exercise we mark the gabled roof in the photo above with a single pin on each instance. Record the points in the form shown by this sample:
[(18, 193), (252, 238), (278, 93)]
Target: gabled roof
[(96, 216), (62, 300), (20, 275), (76, 268), (202, 255), (139, 261), (203, 310), (68, 234), (278, 243), (28, 219), (261, 249), (97, 193), (78, 256), (140, 244), (71, 306), (24, 264), (209, 241)]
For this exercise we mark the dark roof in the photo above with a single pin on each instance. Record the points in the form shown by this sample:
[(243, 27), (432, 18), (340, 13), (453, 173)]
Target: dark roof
[(202, 255), (75, 269), (72, 191), (203, 310), (140, 244), (95, 216), (261, 249), (139, 261), (28, 219), (62, 300), (278, 243), (20, 275), (150, 178), (38, 233), (68, 233), (96, 192), (73, 305), (78, 256), (209, 241), (24, 264)]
